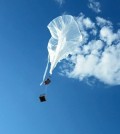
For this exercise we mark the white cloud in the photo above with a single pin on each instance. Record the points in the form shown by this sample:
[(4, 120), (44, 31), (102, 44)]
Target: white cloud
[(88, 23), (94, 5), (108, 69), (99, 57), (107, 35), (105, 68), (103, 22), (93, 47), (60, 2)]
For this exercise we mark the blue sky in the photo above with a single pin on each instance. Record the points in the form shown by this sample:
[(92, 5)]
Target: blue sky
[(73, 106)]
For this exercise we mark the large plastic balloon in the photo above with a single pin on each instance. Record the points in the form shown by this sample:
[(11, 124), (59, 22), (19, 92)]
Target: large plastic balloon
[(66, 36), (65, 40)]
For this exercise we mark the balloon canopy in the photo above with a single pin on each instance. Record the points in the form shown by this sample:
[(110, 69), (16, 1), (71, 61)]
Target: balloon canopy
[(65, 37)]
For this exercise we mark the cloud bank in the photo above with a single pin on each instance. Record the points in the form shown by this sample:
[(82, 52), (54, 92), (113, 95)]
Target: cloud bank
[(87, 48), (94, 5)]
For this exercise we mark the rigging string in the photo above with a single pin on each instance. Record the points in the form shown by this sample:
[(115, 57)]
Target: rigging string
[(45, 72), (46, 89)]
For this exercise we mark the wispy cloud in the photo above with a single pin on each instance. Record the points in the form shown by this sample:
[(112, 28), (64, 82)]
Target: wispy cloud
[(94, 5), (60, 2)]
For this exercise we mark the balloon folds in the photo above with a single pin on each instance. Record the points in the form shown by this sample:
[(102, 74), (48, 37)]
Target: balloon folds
[(65, 37)]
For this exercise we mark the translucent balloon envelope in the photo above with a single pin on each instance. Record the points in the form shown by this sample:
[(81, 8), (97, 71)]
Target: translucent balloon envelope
[(65, 37)]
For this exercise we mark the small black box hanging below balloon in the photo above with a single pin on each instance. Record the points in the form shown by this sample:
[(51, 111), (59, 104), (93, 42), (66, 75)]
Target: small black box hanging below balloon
[(42, 98)]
